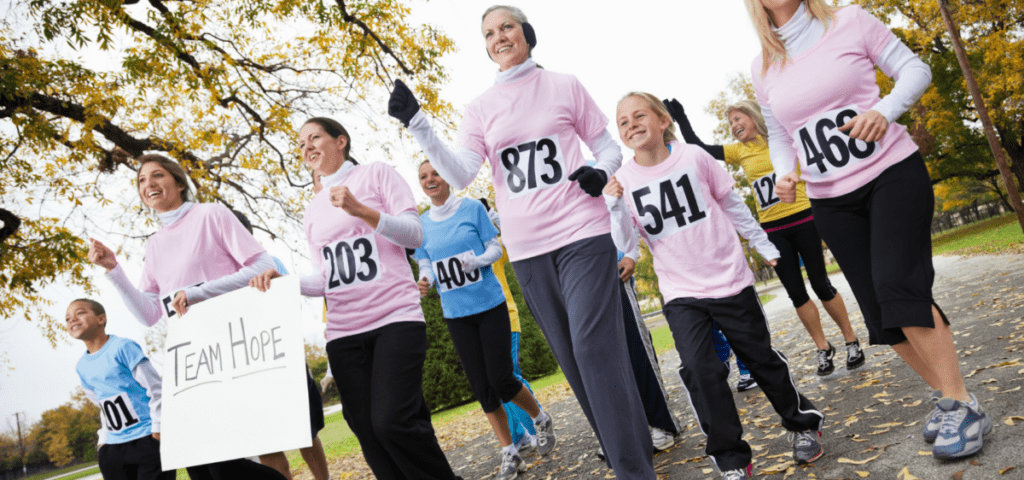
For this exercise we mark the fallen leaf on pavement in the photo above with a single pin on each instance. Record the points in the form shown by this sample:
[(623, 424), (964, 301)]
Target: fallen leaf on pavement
[(858, 462), (906, 475)]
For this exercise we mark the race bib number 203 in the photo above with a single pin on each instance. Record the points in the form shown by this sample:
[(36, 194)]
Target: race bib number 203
[(532, 166), (352, 261), (828, 150)]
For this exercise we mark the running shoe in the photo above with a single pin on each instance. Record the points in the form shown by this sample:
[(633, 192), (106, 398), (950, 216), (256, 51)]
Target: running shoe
[(527, 442), (738, 474), (545, 435), (825, 365), (662, 440), (600, 453), (807, 447), (511, 465), (745, 383), (962, 431), (854, 355), (934, 419)]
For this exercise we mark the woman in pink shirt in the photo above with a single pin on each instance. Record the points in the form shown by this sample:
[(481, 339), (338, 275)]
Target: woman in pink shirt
[(528, 128), (869, 189), (201, 251), (358, 227)]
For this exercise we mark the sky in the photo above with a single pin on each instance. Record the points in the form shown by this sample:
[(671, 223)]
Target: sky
[(687, 49)]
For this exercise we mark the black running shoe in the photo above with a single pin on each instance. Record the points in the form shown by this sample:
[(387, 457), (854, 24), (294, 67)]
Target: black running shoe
[(854, 355), (825, 365)]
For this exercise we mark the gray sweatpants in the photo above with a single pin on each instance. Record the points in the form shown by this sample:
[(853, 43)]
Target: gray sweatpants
[(573, 294)]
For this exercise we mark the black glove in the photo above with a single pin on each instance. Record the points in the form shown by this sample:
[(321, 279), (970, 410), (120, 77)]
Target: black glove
[(487, 206), (402, 104), (675, 109), (592, 180)]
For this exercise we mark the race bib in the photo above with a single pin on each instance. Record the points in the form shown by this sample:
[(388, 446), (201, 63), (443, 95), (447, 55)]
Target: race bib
[(449, 275), (532, 166), (118, 413), (670, 204), (826, 149), (764, 192), (350, 262), (166, 301)]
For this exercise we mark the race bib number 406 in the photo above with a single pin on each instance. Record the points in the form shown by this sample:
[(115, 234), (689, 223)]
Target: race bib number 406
[(449, 274), (351, 262), (670, 204), (826, 149), (532, 166)]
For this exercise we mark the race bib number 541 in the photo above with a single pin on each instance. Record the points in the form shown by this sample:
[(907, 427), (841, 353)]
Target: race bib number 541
[(351, 262), (828, 150), (670, 204), (532, 166)]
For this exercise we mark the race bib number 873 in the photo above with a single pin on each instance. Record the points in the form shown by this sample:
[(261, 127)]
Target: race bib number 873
[(670, 204), (826, 149), (532, 166), (351, 262)]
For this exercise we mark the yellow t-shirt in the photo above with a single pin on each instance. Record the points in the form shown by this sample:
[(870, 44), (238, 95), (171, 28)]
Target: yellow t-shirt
[(499, 271), (753, 158)]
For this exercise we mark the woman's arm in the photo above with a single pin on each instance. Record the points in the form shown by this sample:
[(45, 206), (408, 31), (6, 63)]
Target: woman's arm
[(675, 109), (230, 283), (145, 306), (912, 76), (739, 214)]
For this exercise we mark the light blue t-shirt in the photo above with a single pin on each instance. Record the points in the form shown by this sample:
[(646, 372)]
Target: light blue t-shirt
[(124, 404), (467, 229)]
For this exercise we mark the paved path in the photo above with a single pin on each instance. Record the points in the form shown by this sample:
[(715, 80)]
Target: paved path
[(873, 414)]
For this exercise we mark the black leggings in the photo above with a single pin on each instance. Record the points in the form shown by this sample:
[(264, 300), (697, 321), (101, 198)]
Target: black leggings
[(483, 341), (796, 238), (880, 234)]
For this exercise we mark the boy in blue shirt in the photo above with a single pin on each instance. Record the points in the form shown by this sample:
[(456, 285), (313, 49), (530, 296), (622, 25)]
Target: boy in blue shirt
[(118, 377)]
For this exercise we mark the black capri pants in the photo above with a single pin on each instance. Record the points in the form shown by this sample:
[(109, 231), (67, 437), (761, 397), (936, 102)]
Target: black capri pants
[(880, 234), (483, 341), (796, 238)]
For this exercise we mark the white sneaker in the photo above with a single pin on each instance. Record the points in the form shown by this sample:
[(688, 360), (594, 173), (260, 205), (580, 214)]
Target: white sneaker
[(527, 442), (511, 465), (662, 440)]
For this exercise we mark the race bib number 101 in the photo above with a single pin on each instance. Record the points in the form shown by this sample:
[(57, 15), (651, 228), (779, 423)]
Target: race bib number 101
[(670, 204), (826, 149), (351, 262), (532, 166)]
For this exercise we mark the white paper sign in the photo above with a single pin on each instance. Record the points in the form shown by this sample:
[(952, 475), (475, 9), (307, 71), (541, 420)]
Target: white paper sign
[(234, 381)]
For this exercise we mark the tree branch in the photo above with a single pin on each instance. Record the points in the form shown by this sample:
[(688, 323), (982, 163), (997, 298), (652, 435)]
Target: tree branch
[(367, 31)]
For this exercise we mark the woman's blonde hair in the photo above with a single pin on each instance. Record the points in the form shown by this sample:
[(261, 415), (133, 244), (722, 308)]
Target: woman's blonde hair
[(659, 109), (772, 49), (751, 109)]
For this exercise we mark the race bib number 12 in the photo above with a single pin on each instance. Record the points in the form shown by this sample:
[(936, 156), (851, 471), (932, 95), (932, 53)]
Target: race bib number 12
[(532, 166), (764, 190), (670, 204), (826, 149), (351, 262)]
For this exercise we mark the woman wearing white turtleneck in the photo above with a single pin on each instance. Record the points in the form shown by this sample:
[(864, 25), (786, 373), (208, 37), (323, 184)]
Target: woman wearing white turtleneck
[(459, 246), (200, 252), (528, 127), (869, 188)]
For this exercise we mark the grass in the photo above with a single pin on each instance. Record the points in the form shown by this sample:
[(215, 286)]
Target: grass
[(996, 235), (54, 473)]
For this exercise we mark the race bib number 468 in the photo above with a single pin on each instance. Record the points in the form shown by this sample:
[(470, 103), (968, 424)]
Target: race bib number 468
[(828, 150), (670, 204), (351, 262), (532, 166)]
